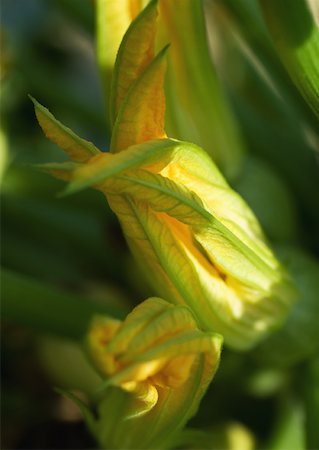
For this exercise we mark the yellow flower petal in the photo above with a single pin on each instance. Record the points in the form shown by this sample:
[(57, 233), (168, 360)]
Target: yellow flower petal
[(142, 113), (103, 329), (164, 363), (149, 349), (114, 18), (145, 394), (135, 53), (76, 148)]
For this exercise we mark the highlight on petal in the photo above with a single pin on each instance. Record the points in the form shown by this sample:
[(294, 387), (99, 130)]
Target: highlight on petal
[(164, 363), (135, 53), (75, 147), (142, 113)]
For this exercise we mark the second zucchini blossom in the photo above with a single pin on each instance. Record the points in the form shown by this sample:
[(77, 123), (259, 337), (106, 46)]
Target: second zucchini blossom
[(197, 240), (157, 347), (155, 367)]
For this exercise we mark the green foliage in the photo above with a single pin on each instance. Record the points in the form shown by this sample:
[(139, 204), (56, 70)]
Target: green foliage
[(295, 30), (46, 308)]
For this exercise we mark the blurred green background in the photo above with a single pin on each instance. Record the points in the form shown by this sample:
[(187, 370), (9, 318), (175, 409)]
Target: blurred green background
[(50, 247), (65, 258)]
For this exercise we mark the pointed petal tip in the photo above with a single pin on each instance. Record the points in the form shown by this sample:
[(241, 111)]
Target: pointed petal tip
[(35, 102)]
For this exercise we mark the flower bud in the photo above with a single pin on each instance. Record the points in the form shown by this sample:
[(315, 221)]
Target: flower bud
[(162, 362), (197, 240)]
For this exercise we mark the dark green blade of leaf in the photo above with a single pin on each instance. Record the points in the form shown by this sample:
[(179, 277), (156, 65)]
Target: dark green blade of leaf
[(47, 308), (295, 33)]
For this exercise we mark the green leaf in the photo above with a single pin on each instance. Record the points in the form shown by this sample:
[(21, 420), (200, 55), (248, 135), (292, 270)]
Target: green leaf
[(298, 339), (311, 398), (295, 32), (269, 197), (266, 95), (197, 108), (47, 308)]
